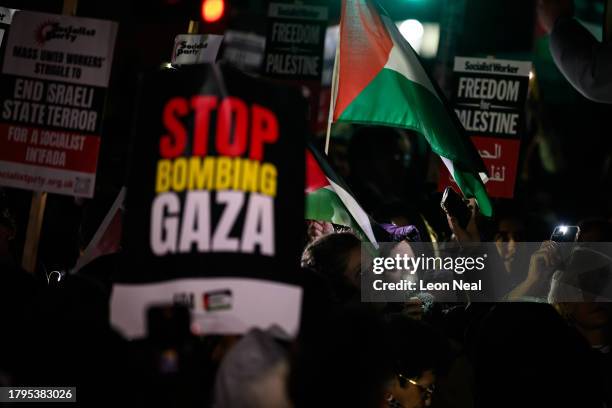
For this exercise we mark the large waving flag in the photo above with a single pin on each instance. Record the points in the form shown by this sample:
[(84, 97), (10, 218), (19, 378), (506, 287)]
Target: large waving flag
[(329, 199), (379, 80)]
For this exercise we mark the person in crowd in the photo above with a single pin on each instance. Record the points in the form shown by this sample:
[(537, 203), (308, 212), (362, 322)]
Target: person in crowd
[(510, 231), (471, 233), (545, 277), (585, 62), (594, 322), (542, 265), (594, 230), (419, 354), (347, 362), (379, 158), (495, 281), (525, 355), (338, 258), (254, 372), (317, 229)]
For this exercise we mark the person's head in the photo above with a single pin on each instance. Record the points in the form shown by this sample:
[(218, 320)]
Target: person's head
[(337, 257), (510, 230), (581, 290), (523, 344), (585, 315), (594, 230), (346, 363), (381, 154), (418, 354)]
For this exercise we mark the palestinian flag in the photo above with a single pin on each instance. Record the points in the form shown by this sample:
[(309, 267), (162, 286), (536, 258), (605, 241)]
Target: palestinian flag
[(379, 80), (329, 199)]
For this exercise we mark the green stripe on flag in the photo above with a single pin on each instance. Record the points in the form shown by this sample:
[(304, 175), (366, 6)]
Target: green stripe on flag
[(471, 186), (408, 105), (325, 205), (412, 106)]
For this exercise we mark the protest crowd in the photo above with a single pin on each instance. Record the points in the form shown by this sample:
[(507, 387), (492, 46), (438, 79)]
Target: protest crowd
[(89, 311)]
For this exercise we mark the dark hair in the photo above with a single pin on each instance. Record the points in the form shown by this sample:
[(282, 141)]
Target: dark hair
[(369, 142), (598, 227), (347, 362), (328, 254), (417, 347), (525, 344)]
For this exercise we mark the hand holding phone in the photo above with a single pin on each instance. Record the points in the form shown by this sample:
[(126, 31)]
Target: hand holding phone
[(456, 207), (565, 233)]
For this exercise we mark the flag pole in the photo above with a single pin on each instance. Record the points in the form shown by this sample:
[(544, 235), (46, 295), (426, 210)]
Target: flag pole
[(334, 93)]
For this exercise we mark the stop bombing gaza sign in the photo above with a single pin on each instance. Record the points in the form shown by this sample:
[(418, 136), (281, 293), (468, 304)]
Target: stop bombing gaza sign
[(52, 90), (215, 202)]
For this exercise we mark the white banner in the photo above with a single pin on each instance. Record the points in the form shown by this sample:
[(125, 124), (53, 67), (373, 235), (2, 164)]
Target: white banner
[(492, 66), (196, 48), (6, 15), (61, 48), (218, 305)]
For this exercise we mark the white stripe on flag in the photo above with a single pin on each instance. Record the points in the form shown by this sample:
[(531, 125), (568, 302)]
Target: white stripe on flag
[(356, 211), (404, 60), (451, 169)]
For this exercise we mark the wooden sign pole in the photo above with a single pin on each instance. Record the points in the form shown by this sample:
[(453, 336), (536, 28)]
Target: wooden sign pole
[(30, 248), (194, 27), (39, 198)]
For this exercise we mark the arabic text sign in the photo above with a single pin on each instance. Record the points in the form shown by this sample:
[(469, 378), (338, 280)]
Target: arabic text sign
[(489, 98), (52, 91)]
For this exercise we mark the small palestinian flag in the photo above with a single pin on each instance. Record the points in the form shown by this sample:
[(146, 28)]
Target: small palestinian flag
[(379, 80), (329, 199)]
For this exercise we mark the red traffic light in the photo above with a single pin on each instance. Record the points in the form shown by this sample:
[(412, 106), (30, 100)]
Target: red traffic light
[(212, 10)]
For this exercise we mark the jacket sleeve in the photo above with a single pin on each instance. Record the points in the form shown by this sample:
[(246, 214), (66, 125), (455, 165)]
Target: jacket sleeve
[(584, 61)]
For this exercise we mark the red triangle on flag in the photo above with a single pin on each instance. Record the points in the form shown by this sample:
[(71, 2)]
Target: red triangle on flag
[(365, 45)]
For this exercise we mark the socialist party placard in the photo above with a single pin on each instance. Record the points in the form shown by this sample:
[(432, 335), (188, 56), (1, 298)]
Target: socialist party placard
[(195, 48), (295, 41), (215, 201), (52, 90), (489, 98)]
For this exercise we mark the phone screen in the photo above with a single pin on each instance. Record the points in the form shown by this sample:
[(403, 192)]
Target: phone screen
[(565, 233)]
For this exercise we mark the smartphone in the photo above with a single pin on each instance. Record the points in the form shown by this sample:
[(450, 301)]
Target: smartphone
[(455, 206), (565, 233)]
